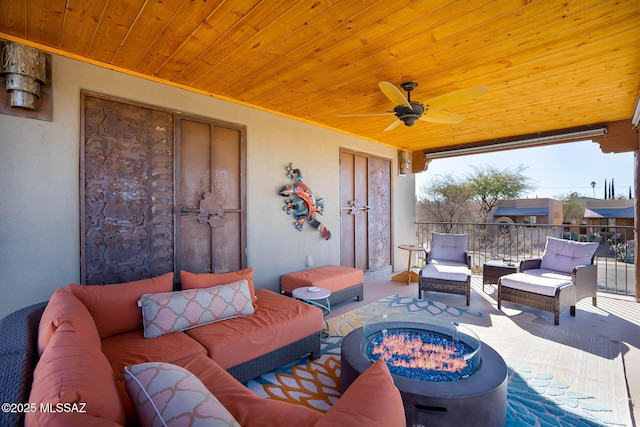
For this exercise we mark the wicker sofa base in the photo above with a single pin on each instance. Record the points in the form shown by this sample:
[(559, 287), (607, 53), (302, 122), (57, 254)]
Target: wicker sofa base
[(446, 286), (18, 358), (270, 361), (346, 294), (563, 298)]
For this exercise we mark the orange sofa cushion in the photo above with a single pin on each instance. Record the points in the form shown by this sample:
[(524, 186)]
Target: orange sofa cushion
[(114, 308), (64, 307), (72, 370), (132, 348), (332, 277), (277, 321), (247, 408), (206, 280), (372, 400)]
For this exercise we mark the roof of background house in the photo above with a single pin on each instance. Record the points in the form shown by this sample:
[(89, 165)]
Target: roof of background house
[(511, 211), (623, 212)]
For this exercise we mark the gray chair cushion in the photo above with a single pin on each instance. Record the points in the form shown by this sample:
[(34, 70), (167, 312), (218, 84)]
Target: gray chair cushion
[(538, 280), (448, 247), (563, 255), (446, 270)]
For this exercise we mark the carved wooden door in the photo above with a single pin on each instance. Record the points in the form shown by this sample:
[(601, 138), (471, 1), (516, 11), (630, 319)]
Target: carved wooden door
[(126, 191), (210, 207), (365, 214), (151, 204)]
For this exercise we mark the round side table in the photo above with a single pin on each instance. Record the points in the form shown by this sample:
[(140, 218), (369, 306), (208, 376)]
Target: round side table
[(318, 297), (408, 276)]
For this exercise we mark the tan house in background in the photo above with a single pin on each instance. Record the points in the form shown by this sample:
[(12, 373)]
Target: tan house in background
[(527, 211), (601, 215)]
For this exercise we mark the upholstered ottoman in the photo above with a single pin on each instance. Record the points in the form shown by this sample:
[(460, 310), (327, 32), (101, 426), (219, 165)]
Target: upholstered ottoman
[(343, 282)]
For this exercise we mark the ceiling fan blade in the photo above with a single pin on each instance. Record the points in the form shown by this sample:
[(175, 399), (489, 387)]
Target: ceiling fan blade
[(393, 93), (456, 97), (386, 113), (393, 125), (438, 116)]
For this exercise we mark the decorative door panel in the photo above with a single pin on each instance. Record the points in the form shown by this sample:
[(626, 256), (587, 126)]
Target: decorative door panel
[(126, 192), (361, 215), (379, 213), (195, 180), (347, 217), (211, 198), (365, 214)]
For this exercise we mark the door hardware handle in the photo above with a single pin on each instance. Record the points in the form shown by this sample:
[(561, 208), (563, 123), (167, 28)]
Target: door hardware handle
[(211, 210), (185, 210), (354, 209)]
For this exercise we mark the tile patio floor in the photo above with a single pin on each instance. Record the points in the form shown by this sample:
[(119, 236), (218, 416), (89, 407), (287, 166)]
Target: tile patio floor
[(616, 317)]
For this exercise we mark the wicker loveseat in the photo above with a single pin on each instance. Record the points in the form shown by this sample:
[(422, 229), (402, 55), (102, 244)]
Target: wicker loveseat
[(563, 276)]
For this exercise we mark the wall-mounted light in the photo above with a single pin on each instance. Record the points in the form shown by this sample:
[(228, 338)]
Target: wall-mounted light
[(404, 162), (635, 119), (25, 69)]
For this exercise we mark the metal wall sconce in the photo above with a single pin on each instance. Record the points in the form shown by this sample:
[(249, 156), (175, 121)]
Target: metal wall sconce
[(25, 68), (404, 162)]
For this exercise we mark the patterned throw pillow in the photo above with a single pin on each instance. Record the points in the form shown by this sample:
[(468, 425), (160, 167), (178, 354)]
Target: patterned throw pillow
[(168, 395), (167, 312)]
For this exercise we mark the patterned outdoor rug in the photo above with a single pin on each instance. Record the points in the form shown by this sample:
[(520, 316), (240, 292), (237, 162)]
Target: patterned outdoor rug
[(555, 377)]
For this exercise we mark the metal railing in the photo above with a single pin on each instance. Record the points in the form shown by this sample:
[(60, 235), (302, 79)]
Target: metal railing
[(516, 242)]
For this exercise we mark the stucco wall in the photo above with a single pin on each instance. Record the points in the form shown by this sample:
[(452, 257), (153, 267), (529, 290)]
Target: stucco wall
[(39, 184)]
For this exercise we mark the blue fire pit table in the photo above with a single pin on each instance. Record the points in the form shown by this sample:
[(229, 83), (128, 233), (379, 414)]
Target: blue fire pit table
[(478, 400)]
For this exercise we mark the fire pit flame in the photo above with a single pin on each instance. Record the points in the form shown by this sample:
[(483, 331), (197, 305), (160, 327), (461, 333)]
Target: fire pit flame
[(408, 350), (419, 350)]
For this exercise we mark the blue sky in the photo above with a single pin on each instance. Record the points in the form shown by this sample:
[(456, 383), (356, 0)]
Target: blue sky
[(556, 170)]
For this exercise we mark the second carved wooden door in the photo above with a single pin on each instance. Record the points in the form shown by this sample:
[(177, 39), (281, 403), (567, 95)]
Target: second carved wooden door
[(210, 202), (365, 212)]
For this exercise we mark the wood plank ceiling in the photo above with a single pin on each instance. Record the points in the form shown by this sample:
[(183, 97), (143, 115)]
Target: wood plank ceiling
[(549, 64)]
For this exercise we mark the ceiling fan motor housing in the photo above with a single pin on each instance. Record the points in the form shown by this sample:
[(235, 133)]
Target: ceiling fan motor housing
[(409, 115)]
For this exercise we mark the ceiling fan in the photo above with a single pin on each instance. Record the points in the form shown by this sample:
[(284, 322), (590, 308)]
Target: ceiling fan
[(408, 111)]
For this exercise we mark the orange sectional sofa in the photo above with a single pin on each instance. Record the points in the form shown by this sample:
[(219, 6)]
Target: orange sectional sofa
[(88, 341)]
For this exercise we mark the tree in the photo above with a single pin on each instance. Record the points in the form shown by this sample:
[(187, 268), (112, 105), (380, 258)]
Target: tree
[(490, 185), (444, 199), (571, 208), (613, 190)]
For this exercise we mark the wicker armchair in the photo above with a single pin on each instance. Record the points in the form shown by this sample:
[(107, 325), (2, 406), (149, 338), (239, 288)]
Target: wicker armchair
[(448, 267), (563, 276)]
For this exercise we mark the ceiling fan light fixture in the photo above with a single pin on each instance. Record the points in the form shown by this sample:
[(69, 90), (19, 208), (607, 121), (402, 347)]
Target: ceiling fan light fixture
[(409, 119)]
